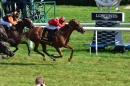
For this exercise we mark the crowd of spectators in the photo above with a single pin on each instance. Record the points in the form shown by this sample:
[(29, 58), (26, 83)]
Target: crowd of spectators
[(10, 6)]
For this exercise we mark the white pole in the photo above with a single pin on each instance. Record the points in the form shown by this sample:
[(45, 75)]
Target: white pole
[(96, 43), (31, 44)]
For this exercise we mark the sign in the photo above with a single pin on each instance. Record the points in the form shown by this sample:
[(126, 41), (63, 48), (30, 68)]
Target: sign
[(108, 16)]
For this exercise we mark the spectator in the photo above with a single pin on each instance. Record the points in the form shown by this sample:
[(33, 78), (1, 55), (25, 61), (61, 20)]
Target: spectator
[(39, 81), (6, 6), (14, 5), (22, 7), (30, 5)]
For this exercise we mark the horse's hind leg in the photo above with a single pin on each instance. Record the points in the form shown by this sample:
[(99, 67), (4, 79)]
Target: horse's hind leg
[(45, 51), (36, 50)]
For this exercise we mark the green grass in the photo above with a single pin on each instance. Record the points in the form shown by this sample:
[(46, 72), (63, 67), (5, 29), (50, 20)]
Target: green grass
[(83, 13), (105, 69)]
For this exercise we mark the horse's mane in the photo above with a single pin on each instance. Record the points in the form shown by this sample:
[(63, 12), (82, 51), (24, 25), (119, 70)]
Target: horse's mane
[(74, 20), (63, 28), (66, 25)]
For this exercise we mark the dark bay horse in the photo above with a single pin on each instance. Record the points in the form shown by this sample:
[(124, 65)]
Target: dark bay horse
[(15, 33), (61, 39)]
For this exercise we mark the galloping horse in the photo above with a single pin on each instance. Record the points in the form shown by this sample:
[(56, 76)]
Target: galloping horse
[(61, 39), (15, 33)]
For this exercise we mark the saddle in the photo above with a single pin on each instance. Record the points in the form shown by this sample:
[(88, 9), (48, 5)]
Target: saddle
[(48, 35)]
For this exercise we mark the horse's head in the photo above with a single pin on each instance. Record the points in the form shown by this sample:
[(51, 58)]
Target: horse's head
[(5, 49), (3, 35), (74, 24), (28, 23)]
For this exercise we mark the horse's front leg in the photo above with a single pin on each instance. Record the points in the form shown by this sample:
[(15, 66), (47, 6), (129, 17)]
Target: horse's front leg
[(60, 53), (24, 42), (36, 50), (16, 48), (72, 51), (13, 43)]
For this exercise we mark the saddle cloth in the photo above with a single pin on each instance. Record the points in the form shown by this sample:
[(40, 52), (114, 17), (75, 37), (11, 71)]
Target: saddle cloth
[(48, 35)]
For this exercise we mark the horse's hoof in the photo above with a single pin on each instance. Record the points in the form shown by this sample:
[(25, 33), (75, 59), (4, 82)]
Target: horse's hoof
[(52, 55), (69, 60), (44, 59), (3, 57), (54, 59), (28, 54)]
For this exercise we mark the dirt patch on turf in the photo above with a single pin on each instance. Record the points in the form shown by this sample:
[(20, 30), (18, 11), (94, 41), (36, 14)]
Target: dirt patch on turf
[(127, 7)]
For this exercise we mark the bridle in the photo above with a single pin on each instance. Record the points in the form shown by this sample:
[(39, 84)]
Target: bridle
[(30, 27), (79, 30)]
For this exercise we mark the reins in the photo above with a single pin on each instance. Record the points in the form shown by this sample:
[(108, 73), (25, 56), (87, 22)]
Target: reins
[(71, 27), (63, 28)]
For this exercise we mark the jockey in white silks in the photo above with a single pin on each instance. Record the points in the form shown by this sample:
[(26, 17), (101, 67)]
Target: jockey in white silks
[(10, 19)]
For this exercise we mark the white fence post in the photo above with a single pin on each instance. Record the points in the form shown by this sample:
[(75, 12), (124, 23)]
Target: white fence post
[(31, 44)]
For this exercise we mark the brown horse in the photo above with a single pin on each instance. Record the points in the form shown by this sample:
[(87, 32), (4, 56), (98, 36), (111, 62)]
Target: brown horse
[(61, 39), (15, 33)]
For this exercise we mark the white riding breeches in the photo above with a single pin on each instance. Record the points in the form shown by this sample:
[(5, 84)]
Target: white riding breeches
[(51, 27), (5, 23)]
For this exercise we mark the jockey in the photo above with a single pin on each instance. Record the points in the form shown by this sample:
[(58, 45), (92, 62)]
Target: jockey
[(10, 19), (56, 23)]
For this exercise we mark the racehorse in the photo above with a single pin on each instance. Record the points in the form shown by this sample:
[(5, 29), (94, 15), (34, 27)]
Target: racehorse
[(4, 49), (61, 39), (15, 33)]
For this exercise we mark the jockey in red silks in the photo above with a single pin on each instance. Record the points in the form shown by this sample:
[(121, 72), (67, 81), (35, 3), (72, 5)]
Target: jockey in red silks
[(56, 23)]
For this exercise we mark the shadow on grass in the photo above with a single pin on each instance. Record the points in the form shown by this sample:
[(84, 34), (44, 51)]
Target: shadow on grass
[(21, 63), (111, 53)]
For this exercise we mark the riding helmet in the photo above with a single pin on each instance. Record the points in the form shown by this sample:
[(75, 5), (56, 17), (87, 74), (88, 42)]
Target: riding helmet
[(62, 19)]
